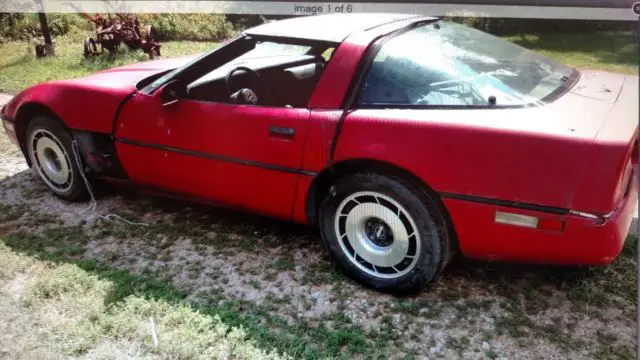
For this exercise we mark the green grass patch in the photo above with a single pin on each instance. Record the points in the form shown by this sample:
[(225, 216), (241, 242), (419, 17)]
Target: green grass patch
[(615, 51), (88, 315)]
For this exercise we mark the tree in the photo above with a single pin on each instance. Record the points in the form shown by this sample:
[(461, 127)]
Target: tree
[(44, 26)]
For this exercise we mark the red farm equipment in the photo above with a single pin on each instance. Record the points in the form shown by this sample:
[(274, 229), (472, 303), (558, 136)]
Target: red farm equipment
[(123, 28)]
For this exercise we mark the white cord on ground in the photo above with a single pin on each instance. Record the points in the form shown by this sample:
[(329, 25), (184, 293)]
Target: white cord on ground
[(76, 154), (154, 335), (117, 217), (92, 206)]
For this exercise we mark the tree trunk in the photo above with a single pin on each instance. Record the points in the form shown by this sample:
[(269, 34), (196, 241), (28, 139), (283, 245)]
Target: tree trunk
[(46, 34)]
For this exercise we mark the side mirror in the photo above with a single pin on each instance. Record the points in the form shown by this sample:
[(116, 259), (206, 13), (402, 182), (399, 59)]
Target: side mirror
[(172, 93)]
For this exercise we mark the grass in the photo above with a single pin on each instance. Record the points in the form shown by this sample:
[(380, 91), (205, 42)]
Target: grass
[(19, 68), (81, 309), (611, 51), (124, 302)]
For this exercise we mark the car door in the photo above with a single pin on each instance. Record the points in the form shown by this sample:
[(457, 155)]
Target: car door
[(247, 156), (242, 155)]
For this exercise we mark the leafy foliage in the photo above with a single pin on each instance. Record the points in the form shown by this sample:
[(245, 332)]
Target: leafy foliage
[(195, 27), (27, 26), (198, 27), (501, 26)]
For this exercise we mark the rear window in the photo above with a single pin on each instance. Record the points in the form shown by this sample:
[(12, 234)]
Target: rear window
[(454, 65)]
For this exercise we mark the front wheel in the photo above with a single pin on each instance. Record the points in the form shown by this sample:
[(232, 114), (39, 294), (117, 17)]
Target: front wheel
[(384, 232), (50, 149)]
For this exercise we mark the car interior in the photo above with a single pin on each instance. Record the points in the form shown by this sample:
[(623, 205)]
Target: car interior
[(272, 80)]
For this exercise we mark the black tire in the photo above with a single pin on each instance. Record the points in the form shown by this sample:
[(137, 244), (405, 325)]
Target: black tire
[(431, 247), (44, 128)]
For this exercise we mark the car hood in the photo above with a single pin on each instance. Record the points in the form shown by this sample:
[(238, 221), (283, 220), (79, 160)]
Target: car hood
[(99, 94), (126, 77)]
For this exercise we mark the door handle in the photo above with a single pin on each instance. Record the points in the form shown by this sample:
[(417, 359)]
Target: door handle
[(281, 132)]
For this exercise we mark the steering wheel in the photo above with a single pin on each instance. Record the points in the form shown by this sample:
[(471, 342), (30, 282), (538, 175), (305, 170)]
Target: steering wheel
[(244, 95)]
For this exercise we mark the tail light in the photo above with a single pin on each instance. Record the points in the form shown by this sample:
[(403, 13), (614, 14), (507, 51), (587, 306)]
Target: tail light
[(626, 177)]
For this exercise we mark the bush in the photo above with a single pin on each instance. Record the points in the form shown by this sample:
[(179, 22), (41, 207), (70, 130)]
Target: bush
[(27, 26), (501, 26), (195, 27)]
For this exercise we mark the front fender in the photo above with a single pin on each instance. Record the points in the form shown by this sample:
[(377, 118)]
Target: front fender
[(78, 107)]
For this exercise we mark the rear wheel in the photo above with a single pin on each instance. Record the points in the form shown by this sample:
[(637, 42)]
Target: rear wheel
[(384, 232), (49, 146)]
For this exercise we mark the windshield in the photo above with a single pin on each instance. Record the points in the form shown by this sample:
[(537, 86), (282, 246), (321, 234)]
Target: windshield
[(446, 63), (156, 84)]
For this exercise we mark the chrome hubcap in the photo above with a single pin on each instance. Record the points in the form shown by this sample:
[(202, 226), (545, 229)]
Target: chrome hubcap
[(51, 160), (377, 234)]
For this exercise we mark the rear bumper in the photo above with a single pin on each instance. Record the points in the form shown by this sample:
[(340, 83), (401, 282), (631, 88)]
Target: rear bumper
[(583, 241)]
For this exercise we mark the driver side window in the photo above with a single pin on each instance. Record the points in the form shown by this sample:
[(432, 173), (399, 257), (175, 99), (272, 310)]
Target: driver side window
[(272, 74)]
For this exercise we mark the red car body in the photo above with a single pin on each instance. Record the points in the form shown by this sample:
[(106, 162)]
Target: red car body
[(572, 163)]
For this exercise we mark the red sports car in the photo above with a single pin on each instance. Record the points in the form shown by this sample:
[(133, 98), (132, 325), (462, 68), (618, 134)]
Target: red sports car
[(404, 138)]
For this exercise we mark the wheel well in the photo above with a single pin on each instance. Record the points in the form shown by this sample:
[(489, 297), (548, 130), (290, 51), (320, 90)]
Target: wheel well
[(322, 183), (25, 114)]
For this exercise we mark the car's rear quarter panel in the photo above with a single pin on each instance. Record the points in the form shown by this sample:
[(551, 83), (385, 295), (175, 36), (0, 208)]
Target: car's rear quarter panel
[(534, 156), (471, 152), (614, 146), (582, 241)]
